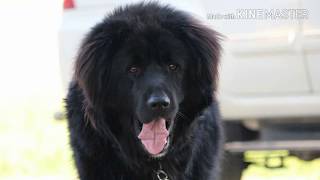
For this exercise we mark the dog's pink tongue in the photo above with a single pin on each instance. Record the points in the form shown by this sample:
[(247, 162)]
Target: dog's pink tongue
[(154, 136)]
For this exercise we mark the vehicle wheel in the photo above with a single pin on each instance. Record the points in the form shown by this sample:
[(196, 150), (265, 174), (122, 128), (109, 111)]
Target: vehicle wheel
[(232, 168), (233, 164)]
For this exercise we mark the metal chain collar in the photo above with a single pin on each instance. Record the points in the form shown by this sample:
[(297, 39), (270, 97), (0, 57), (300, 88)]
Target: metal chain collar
[(161, 174)]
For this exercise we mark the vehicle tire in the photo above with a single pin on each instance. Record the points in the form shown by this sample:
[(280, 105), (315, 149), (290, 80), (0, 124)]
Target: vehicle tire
[(232, 168), (233, 164)]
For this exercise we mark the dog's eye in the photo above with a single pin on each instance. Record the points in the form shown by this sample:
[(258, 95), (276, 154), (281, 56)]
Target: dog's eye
[(133, 70), (173, 67)]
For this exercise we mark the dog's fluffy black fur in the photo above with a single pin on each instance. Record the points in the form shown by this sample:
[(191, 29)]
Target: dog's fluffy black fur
[(136, 52)]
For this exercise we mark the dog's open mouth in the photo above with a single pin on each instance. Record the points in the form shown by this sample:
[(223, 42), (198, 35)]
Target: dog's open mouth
[(155, 136)]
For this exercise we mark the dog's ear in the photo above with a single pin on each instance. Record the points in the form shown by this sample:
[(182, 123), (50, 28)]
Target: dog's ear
[(204, 47), (93, 64)]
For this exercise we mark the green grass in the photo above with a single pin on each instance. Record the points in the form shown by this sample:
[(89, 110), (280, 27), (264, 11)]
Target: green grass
[(35, 146), (294, 168)]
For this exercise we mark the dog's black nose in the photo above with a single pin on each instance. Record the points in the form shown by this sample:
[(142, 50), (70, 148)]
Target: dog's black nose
[(156, 102)]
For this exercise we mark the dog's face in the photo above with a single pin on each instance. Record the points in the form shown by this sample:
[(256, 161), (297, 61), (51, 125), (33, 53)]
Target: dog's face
[(147, 70), (155, 69), (153, 63)]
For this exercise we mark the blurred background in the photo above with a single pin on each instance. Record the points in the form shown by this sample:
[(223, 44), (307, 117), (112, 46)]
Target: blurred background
[(269, 88)]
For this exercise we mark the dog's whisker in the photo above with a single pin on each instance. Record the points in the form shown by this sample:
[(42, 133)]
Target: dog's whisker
[(183, 116)]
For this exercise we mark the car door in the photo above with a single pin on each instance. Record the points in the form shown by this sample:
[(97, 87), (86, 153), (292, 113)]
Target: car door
[(311, 43), (262, 57)]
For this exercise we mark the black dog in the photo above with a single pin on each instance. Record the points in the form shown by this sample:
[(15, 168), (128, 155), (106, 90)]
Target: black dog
[(141, 105)]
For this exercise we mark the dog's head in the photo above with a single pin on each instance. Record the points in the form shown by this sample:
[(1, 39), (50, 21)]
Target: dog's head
[(146, 66)]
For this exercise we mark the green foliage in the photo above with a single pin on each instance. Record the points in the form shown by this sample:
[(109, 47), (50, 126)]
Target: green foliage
[(34, 146)]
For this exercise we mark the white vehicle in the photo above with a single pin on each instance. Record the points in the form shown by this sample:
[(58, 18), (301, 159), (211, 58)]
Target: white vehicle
[(269, 88)]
